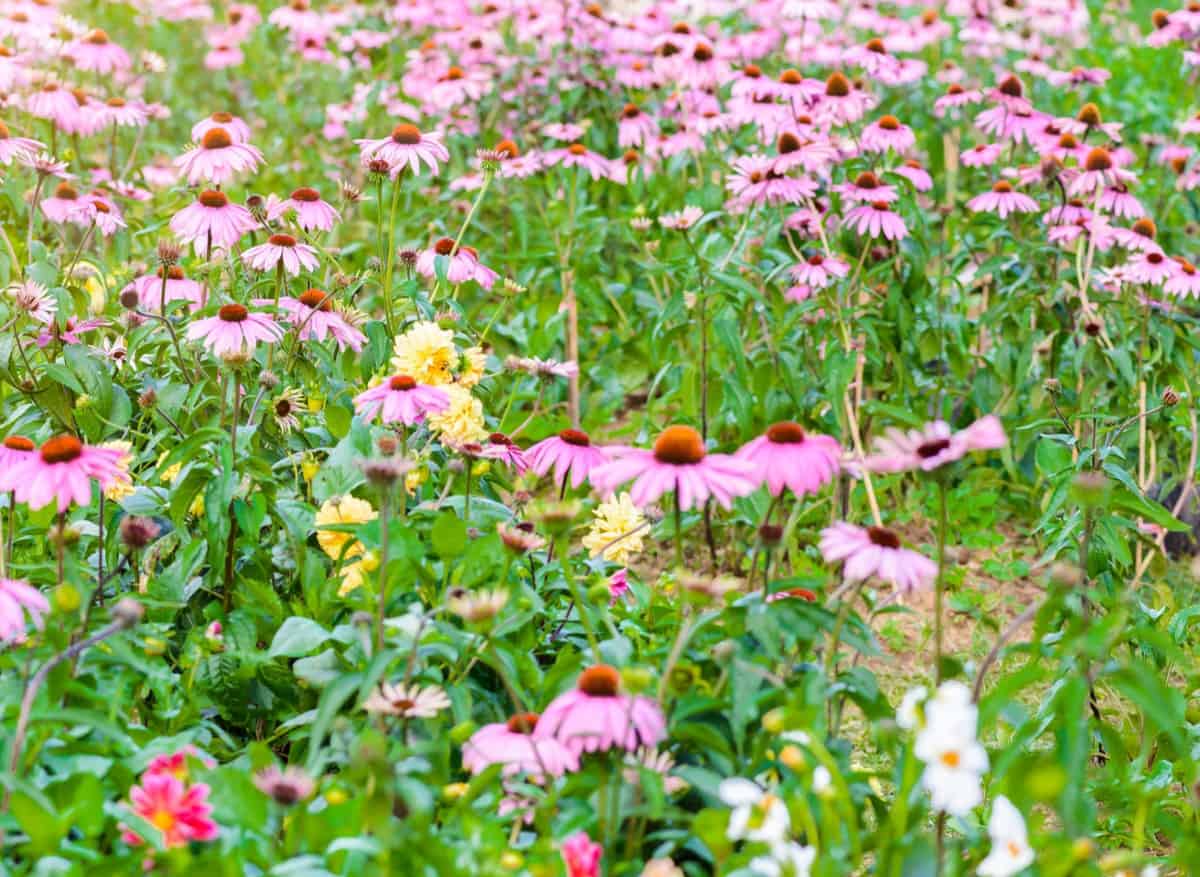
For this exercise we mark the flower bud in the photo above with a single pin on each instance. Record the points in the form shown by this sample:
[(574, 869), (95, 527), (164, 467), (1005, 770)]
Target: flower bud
[(128, 612), (1170, 397), (129, 299), (137, 532)]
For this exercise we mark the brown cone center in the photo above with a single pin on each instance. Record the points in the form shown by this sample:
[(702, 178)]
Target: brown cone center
[(679, 446)]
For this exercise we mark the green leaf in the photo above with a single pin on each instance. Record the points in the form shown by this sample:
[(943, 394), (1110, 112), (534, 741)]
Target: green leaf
[(297, 636)]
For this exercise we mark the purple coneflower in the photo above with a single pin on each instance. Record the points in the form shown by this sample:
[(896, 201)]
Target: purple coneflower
[(787, 456)]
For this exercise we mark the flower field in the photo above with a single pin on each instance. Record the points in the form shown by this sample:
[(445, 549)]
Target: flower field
[(503, 437)]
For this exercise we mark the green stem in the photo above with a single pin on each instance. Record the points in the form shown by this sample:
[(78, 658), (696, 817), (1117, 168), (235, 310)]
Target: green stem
[(939, 592)]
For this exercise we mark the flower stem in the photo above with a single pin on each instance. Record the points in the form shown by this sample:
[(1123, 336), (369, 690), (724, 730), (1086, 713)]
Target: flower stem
[(381, 610), (940, 589)]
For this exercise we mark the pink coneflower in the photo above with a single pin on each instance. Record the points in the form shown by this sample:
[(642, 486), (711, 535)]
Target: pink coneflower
[(286, 787), (34, 300), (406, 145), (400, 399), (876, 551), (1099, 170), (53, 102), (635, 127), (793, 151), (867, 188), (313, 315), (68, 332), (238, 130), (234, 330), (282, 249), (840, 103), (571, 452), (933, 445), (14, 450), (22, 149), (786, 456), (981, 155), (956, 97), (681, 220), (62, 206), (62, 470), (463, 266), (1185, 280), (223, 55), (1151, 267), (501, 447), (564, 131), (755, 181), (514, 745), (99, 210), (17, 597), (578, 155), (212, 221), (218, 158), (122, 113), (1002, 200), (876, 219), (581, 855), (595, 717), (97, 54), (678, 463), (311, 212), (915, 173), (180, 812), (1118, 201), (887, 133), (164, 286), (819, 271)]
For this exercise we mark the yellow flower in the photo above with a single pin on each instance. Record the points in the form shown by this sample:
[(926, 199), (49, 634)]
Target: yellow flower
[(613, 519), (462, 422), (342, 510), (475, 360), (355, 574), (426, 353), (122, 485), (171, 472), (309, 468)]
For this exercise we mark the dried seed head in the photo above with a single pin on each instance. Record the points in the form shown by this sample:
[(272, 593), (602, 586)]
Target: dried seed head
[(137, 532)]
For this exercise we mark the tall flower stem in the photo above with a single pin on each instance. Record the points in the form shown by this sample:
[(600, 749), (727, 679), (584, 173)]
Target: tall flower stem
[(572, 586), (467, 497), (678, 533), (385, 508), (940, 588), (391, 253)]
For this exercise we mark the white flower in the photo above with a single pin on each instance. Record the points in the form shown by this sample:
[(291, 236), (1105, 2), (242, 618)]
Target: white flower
[(1011, 852), (954, 760), (788, 860), (822, 780), (757, 815), (906, 715)]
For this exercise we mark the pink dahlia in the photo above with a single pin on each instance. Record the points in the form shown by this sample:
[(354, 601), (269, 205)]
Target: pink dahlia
[(400, 399), (514, 745), (63, 470), (180, 812), (786, 456), (581, 855), (234, 330), (876, 551), (406, 145), (282, 249), (212, 222), (313, 315), (218, 158), (679, 463), (596, 717), (312, 214), (571, 452), (933, 445), (16, 598)]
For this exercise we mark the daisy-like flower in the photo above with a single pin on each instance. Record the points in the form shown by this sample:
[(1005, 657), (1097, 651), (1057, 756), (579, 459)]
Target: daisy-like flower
[(15, 449), (1185, 280), (18, 597), (681, 220), (1002, 200), (616, 530), (426, 353), (96, 53), (213, 222), (758, 815), (789, 859), (282, 249), (62, 472), (474, 607), (933, 445), (981, 155), (578, 155), (287, 787), (313, 315), (571, 452), (1010, 853), (407, 701), (34, 300), (886, 133), (635, 127), (462, 265), (513, 745), (63, 205), (875, 220), (819, 271), (21, 149), (501, 447), (595, 717), (954, 760), (179, 811), (286, 408), (1099, 170), (679, 463), (406, 145), (235, 330), (238, 130), (866, 188), (217, 158), (787, 456), (400, 399), (756, 181), (312, 214), (956, 97), (876, 551), (1151, 267), (166, 285)]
